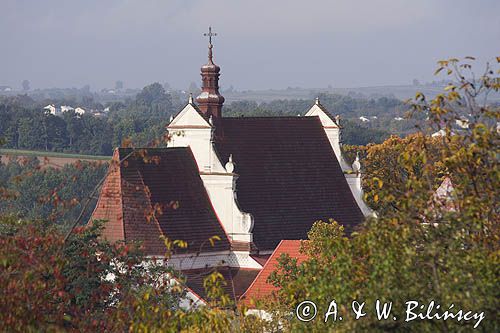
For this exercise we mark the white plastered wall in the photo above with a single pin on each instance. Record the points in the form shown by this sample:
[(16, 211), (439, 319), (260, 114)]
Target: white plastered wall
[(354, 181), (190, 129), (221, 188), (236, 259), (332, 132)]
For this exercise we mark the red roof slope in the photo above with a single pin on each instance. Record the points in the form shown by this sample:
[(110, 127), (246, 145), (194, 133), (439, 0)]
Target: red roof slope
[(289, 176), (109, 205), (159, 193), (260, 289)]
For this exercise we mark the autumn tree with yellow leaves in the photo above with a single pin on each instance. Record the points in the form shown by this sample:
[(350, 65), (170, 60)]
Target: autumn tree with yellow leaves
[(424, 245)]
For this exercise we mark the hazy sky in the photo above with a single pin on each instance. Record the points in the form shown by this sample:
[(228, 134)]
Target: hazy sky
[(261, 43)]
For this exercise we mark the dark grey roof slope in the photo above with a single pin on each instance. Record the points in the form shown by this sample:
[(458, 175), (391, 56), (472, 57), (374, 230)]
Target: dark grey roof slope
[(289, 176)]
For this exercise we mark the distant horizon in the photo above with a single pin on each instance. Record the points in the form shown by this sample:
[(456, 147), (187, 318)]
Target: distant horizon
[(223, 88), (432, 79), (259, 46)]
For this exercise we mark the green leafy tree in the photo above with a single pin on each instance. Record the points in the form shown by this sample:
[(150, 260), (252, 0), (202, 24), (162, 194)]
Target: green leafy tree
[(26, 85), (425, 246)]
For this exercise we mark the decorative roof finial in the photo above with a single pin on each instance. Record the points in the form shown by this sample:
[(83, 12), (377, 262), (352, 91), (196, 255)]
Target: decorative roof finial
[(356, 166), (230, 164), (317, 101), (210, 100), (210, 34), (190, 100)]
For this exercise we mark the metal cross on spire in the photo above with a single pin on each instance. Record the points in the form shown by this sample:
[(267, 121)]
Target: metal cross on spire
[(210, 34)]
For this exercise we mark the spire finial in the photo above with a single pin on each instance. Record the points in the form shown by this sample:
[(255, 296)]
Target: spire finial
[(210, 34), (190, 100), (317, 101), (230, 164), (210, 100), (356, 166)]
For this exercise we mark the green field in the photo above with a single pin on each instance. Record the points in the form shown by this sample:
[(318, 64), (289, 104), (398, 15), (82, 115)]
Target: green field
[(18, 152)]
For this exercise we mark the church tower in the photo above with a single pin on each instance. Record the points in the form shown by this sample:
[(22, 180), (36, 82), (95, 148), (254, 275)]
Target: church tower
[(210, 100)]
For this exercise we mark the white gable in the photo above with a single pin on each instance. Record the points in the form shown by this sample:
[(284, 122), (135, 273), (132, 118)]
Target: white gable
[(190, 129), (332, 131), (325, 119), (189, 117)]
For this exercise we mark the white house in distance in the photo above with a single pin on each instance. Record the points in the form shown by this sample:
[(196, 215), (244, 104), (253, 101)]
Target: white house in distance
[(51, 108), (79, 110), (66, 108)]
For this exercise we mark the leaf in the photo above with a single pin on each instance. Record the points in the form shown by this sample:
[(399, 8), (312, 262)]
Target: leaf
[(213, 239), (180, 243), (438, 70), (470, 58), (498, 59)]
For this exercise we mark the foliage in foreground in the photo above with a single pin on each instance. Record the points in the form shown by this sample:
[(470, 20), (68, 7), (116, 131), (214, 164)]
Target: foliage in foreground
[(90, 285), (31, 191), (426, 245), (422, 247)]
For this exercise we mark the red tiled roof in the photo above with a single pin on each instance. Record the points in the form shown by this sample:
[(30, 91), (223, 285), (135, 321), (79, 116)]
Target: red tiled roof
[(167, 179), (289, 176), (260, 288), (237, 280), (109, 205)]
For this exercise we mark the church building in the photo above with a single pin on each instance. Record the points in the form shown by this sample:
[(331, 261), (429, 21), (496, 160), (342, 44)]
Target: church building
[(233, 189)]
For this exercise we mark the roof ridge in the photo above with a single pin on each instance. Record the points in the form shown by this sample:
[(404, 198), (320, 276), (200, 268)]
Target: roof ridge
[(268, 117), (160, 149), (195, 107)]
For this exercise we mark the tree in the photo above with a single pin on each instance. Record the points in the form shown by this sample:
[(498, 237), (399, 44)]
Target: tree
[(193, 88), (48, 193), (26, 85), (86, 89), (119, 85), (424, 246), (50, 284)]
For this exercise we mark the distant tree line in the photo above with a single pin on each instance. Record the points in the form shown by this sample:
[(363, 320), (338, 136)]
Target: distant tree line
[(25, 125)]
